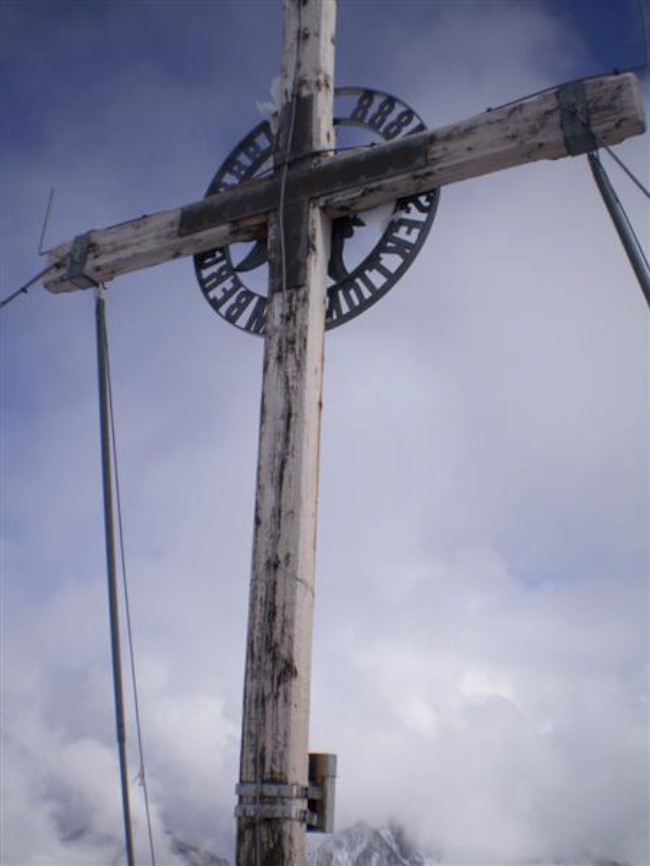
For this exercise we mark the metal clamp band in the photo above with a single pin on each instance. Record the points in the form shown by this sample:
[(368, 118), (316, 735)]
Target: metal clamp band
[(77, 263), (574, 117), (271, 790), (272, 800), (284, 811)]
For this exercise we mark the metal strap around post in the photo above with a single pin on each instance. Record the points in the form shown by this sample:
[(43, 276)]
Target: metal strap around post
[(574, 117), (77, 262), (272, 800)]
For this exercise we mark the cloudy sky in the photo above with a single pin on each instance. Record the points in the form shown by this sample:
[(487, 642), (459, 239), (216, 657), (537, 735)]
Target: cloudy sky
[(481, 635)]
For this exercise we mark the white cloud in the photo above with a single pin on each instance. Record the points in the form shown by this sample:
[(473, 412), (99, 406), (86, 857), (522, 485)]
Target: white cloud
[(481, 639)]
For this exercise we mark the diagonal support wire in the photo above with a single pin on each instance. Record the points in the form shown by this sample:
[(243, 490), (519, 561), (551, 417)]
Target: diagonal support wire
[(142, 774), (621, 222), (110, 474), (23, 289), (635, 180)]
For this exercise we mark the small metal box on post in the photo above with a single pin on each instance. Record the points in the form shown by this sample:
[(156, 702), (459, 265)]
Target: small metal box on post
[(321, 794)]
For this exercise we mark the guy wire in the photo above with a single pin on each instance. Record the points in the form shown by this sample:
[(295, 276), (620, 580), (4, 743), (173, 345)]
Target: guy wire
[(639, 67), (23, 289), (627, 171), (622, 224), (46, 220), (113, 599), (127, 606), (585, 122)]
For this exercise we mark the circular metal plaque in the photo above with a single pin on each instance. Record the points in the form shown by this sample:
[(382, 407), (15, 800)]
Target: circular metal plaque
[(370, 250)]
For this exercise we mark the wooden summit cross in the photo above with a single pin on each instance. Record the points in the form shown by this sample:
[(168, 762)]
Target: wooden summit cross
[(293, 209)]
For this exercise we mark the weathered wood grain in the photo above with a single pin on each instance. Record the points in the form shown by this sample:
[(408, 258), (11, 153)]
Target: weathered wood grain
[(145, 242), (520, 133), (275, 726)]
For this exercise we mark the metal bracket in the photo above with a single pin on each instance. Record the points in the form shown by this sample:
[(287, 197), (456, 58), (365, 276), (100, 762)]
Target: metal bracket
[(295, 217), (292, 799), (283, 811), (301, 108), (574, 117), (271, 789), (77, 263)]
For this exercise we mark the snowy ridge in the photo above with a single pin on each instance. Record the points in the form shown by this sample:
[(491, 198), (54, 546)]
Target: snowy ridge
[(194, 856), (362, 845)]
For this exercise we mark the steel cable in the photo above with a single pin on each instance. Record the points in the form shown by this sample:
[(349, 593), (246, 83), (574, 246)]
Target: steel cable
[(127, 606)]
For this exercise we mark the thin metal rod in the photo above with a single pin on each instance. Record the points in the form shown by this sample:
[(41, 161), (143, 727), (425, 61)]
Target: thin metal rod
[(625, 233), (23, 289), (45, 222), (109, 528), (623, 167), (127, 606)]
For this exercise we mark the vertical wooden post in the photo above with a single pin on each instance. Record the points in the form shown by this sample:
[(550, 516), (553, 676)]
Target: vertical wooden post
[(274, 753)]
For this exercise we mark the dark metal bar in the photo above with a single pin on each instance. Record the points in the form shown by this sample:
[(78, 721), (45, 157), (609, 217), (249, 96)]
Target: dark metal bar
[(348, 171), (629, 241), (109, 529), (46, 220), (23, 289), (77, 263), (574, 117)]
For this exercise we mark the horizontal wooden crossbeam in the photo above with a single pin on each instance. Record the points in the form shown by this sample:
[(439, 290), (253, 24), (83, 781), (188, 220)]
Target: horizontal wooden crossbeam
[(566, 121)]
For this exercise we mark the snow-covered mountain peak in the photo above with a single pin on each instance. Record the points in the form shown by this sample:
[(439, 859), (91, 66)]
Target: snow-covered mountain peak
[(362, 845)]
